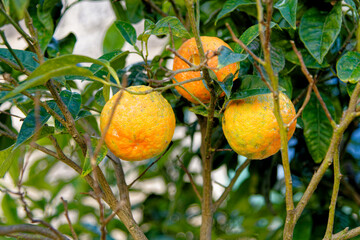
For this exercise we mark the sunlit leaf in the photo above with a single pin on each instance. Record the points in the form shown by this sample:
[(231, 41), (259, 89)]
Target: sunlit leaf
[(87, 167), (163, 27)]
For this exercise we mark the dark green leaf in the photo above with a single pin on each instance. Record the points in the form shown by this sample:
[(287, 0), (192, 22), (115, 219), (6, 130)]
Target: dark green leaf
[(251, 85), (318, 30), (43, 23), (18, 7), (317, 127), (248, 93), (231, 5), (303, 228), (277, 59), (72, 101), (113, 40), (350, 88), (127, 31), (60, 66), (82, 114), (99, 97), (348, 67), (134, 10), (27, 58), (287, 9), (309, 61), (87, 168), (29, 128), (249, 35), (200, 110), (67, 44), (163, 26), (227, 56), (227, 84)]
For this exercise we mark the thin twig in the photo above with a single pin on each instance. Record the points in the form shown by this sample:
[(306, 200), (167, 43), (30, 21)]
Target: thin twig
[(177, 12), (156, 8), (21, 228), (336, 186), (230, 186), (2, 34), (238, 41), (311, 79), (66, 213), (156, 160), (301, 109), (190, 178)]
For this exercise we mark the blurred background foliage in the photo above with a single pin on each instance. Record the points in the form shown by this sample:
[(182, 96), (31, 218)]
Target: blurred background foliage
[(164, 202)]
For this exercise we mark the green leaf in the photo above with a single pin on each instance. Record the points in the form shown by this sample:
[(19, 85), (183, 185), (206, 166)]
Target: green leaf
[(249, 35), (18, 7), (27, 58), (200, 110), (127, 31), (28, 128), (134, 10), (309, 61), (87, 168), (318, 30), (72, 101), (348, 67), (231, 5), (5, 160), (251, 85), (148, 26), (303, 228), (83, 114), (163, 26), (113, 40), (227, 84), (41, 14), (9, 208), (67, 44), (287, 9), (317, 128), (227, 56), (117, 60), (60, 66), (99, 97), (277, 59)]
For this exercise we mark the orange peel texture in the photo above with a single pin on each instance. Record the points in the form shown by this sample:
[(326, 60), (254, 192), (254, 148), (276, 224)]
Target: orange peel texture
[(189, 51), (250, 126), (142, 125)]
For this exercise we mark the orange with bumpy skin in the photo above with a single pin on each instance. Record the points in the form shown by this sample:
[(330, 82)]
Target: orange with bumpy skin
[(251, 128), (142, 125), (189, 51)]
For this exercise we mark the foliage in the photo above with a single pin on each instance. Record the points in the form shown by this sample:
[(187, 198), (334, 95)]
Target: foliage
[(60, 99)]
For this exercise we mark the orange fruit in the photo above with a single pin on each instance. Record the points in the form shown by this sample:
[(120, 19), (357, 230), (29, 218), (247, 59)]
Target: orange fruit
[(250, 126), (142, 125), (189, 51)]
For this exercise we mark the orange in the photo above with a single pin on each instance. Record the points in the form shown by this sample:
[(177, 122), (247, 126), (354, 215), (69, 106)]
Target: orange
[(142, 125), (250, 126), (189, 51)]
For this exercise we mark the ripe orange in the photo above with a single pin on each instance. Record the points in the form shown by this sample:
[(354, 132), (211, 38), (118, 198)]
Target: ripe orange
[(142, 125), (190, 52), (251, 128)]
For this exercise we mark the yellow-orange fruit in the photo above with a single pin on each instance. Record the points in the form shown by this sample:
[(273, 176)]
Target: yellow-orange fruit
[(142, 125), (250, 126), (189, 51)]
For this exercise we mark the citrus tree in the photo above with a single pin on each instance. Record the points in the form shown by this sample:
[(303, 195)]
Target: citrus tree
[(263, 97)]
